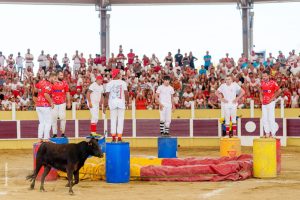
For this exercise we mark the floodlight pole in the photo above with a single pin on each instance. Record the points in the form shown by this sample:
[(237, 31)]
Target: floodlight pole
[(247, 23), (103, 6)]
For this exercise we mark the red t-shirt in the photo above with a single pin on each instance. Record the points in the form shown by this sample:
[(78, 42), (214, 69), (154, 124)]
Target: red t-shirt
[(130, 58), (146, 61), (44, 87), (268, 89), (59, 91), (140, 104)]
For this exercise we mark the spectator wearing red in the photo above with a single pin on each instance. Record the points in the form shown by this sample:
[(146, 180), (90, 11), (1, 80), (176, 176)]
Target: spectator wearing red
[(141, 102), (130, 57)]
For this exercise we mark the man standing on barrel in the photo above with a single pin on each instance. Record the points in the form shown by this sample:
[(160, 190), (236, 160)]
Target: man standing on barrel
[(268, 94), (116, 95)]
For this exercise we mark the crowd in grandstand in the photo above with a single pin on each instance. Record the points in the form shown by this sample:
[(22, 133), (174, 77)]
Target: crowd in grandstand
[(144, 74)]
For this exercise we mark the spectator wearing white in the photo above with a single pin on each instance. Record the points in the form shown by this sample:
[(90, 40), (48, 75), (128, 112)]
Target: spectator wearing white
[(19, 62), (42, 60), (6, 104), (76, 65), (271, 58), (230, 93), (154, 60), (65, 61), (165, 98), (116, 96), (295, 100), (253, 57), (281, 59), (2, 59), (24, 101), (29, 59)]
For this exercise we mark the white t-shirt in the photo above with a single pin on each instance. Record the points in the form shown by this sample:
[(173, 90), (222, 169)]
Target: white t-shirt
[(97, 91), (42, 60), (28, 58), (190, 95), (19, 60), (2, 59), (229, 92), (165, 95), (116, 89)]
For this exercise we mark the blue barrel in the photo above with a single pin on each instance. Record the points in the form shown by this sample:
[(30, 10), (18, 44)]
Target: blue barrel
[(102, 144), (167, 147), (60, 140), (117, 162)]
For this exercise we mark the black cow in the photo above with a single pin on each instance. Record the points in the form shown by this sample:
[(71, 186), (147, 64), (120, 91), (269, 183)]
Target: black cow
[(64, 157)]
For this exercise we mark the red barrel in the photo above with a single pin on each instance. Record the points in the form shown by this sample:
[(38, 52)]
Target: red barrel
[(278, 155), (52, 175)]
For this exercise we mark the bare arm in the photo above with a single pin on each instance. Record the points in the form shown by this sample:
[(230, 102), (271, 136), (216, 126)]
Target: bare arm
[(68, 100), (48, 98), (242, 93)]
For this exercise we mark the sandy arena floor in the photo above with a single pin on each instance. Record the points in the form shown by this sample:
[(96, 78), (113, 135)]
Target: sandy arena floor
[(286, 186)]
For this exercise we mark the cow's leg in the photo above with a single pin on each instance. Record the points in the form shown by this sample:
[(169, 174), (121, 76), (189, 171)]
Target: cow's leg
[(38, 166), (76, 177), (70, 179), (46, 171)]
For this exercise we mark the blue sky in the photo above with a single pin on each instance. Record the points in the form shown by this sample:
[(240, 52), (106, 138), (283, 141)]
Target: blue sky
[(148, 29)]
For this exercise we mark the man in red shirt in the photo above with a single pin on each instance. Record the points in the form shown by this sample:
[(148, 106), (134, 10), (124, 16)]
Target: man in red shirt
[(130, 57), (60, 95), (43, 106), (268, 94)]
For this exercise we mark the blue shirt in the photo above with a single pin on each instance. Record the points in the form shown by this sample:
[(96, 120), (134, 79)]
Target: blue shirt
[(207, 60), (202, 71)]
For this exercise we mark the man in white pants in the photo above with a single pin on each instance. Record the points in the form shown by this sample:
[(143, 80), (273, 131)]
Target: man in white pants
[(165, 98), (268, 94), (117, 94), (94, 96), (60, 95), (43, 107), (229, 93)]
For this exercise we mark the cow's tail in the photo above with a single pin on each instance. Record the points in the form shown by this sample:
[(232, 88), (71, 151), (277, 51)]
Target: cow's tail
[(30, 177)]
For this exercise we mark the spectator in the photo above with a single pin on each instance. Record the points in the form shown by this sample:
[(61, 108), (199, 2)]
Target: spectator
[(202, 70), (65, 61), (76, 65), (169, 60), (178, 58), (29, 59), (2, 59), (192, 60), (295, 100), (141, 102), (213, 101), (154, 60), (207, 60), (130, 57), (42, 61), (19, 62)]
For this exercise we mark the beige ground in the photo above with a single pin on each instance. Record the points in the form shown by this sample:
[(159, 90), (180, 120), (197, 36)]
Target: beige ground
[(285, 187)]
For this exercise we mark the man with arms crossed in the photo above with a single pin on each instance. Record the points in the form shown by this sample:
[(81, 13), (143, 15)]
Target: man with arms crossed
[(94, 96), (60, 95), (117, 94), (229, 93), (43, 106), (165, 98), (268, 94)]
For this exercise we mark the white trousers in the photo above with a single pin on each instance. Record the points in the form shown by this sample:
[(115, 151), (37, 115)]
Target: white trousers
[(268, 118), (166, 116), (44, 115), (117, 121), (94, 113), (59, 111), (230, 111)]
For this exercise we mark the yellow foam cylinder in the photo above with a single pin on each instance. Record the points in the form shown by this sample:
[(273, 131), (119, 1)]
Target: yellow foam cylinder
[(264, 158), (230, 147)]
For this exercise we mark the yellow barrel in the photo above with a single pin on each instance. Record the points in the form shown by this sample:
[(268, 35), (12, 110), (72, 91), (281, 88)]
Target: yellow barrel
[(230, 147), (264, 158)]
